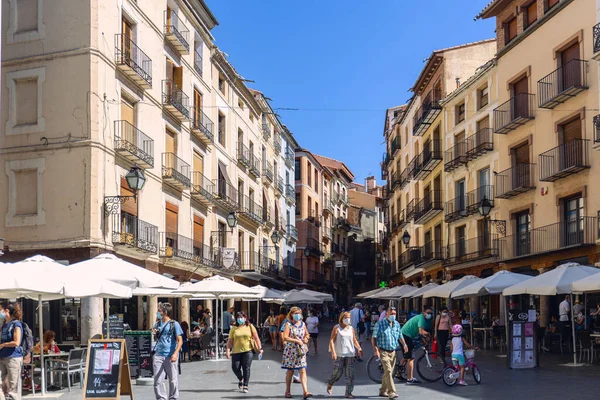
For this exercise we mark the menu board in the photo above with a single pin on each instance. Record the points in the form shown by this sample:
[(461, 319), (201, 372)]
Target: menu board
[(107, 370), (115, 326), (139, 350), (522, 341)]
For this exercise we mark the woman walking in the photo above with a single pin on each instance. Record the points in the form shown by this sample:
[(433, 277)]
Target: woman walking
[(11, 352), (295, 337), (239, 348), (281, 322), (272, 323), (442, 330), (343, 345)]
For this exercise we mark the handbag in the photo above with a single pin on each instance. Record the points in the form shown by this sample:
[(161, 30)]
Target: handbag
[(255, 347)]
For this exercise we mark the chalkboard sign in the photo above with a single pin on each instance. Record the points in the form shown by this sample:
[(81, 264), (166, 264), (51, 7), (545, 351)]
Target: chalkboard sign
[(139, 351), (107, 370), (116, 327), (522, 344)]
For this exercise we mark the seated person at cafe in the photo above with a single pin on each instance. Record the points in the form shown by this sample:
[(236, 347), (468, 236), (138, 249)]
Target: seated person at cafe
[(580, 321), (49, 345)]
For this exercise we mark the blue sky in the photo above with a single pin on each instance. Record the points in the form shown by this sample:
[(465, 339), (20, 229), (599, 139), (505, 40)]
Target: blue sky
[(341, 63)]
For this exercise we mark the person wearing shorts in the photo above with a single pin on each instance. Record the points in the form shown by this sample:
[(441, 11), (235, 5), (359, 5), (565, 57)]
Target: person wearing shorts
[(416, 327)]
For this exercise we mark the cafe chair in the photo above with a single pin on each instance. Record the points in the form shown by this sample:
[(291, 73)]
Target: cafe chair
[(586, 346), (74, 365), (33, 371), (206, 346)]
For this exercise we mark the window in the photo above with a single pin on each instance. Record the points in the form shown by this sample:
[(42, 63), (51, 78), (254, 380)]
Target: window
[(25, 192), (297, 170), (522, 238), (198, 56), (174, 74), (222, 235), (251, 117), (25, 101), (222, 132), (510, 30), (460, 113), (460, 241), (316, 181), (298, 204), (308, 176), (530, 14), (241, 104), (222, 86), (309, 206), (550, 4), (482, 95), (25, 21), (198, 120)]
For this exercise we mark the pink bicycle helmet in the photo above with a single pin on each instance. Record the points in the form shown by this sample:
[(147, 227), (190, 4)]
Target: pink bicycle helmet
[(457, 330)]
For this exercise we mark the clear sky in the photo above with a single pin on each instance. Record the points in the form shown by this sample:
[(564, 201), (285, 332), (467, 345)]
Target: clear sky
[(341, 63)]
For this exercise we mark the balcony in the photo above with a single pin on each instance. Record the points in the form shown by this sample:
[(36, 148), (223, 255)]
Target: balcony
[(564, 160), (411, 256), (326, 233), (198, 62), (578, 232), (404, 178), (266, 131), (175, 171), (292, 233), (128, 230), (395, 145), (175, 101), (277, 143), (456, 209), (430, 206), (243, 155), (480, 143), (289, 157), (431, 252), (132, 61), (202, 127), (562, 84), (327, 206), (133, 144), (425, 163), (225, 195), (402, 220), (475, 197), (411, 208), (176, 246), (251, 211), (278, 186), (596, 121), (315, 278), (268, 217), (202, 188), (254, 168), (290, 194), (176, 33), (514, 181), (314, 247), (394, 179), (514, 113), (475, 249), (292, 273), (267, 172), (202, 254), (426, 114), (217, 260), (455, 156), (596, 33), (250, 261)]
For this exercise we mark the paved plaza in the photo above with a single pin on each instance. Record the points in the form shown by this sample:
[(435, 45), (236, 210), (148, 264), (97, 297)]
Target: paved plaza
[(214, 380)]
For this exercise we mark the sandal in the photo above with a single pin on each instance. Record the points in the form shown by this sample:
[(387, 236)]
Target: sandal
[(349, 396), (288, 395), (307, 395), (329, 389)]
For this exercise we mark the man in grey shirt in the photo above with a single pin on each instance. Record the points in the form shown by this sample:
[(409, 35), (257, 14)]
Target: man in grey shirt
[(227, 319)]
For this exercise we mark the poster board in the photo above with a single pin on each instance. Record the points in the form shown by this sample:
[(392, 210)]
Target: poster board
[(116, 326), (139, 351), (522, 344), (107, 370)]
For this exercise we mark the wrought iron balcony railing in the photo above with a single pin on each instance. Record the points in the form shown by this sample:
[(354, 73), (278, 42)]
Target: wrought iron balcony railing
[(514, 181), (480, 143), (562, 84), (254, 165), (456, 208), (429, 206), (129, 230), (267, 170), (404, 178), (292, 232), (289, 156), (225, 195), (277, 143), (198, 61), (133, 61), (455, 156), (173, 245), (133, 144), (202, 254), (266, 130), (395, 145), (514, 113), (243, 155), (470, 250), (251, 261), (176, 33), (176, 171), (411, 208), (290, 192), (202, 126), (475, 197), (431, 251), (564, 234), (293, 272), (427, 113), (564, 160), (251, 210), (175, 100), (596, 33), (279, 188), (202, 188), (425, 163), (315, 277), (411, 256)]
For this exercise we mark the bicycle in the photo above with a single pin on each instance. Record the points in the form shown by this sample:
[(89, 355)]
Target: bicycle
[(452, 373)]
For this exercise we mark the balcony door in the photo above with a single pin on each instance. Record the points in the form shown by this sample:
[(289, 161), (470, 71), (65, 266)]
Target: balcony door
[(265, 253), (199, 168), (461, 194), (127, 37), (197, 108), (171, 150), (523, 234), (521, 171), (222, 184), (427, 152), (127, 131), (198, 238), (571, 150), (171, 228), (437, 241), (570, 75), (460, 245), (520, 106), (485, 189), (573, 221)]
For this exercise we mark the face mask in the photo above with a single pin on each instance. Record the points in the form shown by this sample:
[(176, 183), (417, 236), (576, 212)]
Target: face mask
[(580, 315), (241, 321), (158, 315), (427, 316), (444, 314), (392, 318), (346, 321), (297, 317)]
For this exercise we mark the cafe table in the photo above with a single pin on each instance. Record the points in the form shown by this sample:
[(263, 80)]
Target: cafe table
[(485, 332), (48, 359)]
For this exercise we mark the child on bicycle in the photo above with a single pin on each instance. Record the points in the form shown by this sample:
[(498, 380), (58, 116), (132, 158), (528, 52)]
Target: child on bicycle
[(458, 354)]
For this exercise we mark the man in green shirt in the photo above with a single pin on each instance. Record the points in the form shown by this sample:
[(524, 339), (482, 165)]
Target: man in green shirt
[(417, 326)]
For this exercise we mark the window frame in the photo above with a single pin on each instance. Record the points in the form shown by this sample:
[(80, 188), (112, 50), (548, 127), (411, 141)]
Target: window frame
[(506, 24), (525, 9), (480, 97), (459, 107), (11, 127)]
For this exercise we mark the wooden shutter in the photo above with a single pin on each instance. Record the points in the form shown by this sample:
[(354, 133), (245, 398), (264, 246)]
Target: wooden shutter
[(512, 29), (552, 3), (197, 106), (198, 230), (571, 130), (127, 111), (129, 206), (126, 39), (198, 163), (484, 123), (521, 154), (531, 13), (170, 142), (171, 218), (169, 69), (570, 53), (178, 76)]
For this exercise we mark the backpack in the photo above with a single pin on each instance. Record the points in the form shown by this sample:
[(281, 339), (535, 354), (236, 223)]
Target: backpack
[(27, 341)]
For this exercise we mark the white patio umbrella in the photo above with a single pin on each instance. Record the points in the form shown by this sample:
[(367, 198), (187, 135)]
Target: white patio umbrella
[(556, 281), (219, 287), (369, 293), (394, 293), (60, 283), (494, 284), (589, 284), (318, 295), (420, 291), (444, 291), (297, 297)]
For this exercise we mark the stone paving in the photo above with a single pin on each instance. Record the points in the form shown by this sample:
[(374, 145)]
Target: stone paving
[(214, 380)]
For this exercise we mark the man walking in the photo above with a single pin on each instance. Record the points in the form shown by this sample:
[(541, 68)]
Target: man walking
[(169, 339), (356, 319), (564, 308), (386, 336), (415, 328), (227, 320)]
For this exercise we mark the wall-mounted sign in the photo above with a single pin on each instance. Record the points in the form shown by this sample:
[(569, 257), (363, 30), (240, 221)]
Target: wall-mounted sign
[(228, 257)]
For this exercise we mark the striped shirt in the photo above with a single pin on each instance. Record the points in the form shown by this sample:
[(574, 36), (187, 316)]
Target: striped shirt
[(387, 336)]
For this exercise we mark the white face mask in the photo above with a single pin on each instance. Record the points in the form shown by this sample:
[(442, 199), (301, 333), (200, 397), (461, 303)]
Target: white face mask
[(346, 321), (444, 314)]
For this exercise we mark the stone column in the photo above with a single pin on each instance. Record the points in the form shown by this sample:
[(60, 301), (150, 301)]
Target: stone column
[(474, 302), (184, 309), (91, 318), (152, 308)]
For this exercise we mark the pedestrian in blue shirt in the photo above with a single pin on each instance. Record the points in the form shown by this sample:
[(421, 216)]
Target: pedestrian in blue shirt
[(386, 337), (168, 337), (11, 352)]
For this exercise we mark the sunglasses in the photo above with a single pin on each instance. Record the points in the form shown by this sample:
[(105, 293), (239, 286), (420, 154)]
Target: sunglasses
[(392, 308)]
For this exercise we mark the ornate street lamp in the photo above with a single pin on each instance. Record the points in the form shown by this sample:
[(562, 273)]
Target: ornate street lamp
[(484, 209), (275, 237), (136, 180), (306, 252), (406, 238), (232, 220)]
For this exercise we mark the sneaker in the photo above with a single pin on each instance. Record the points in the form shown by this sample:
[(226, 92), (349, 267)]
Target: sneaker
[(393, 396), (245, 390), (240, 384), (415, 380), (296, 379), (462, 383)]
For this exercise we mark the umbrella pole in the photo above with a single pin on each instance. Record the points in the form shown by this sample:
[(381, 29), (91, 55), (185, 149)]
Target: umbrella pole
[(41, 333), (573, 333), (107, 312), (505, 321), (217, 335)]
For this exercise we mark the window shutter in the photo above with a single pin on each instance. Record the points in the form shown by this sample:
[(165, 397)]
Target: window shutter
[(532, 13), (198, 230), (171, 220), (571, 130), (129, 206), (484, 123)]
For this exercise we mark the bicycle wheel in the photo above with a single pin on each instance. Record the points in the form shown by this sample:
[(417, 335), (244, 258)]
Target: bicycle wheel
[(400, 372), (476, 374), (448, 377), (430, 367), (375, 369)]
